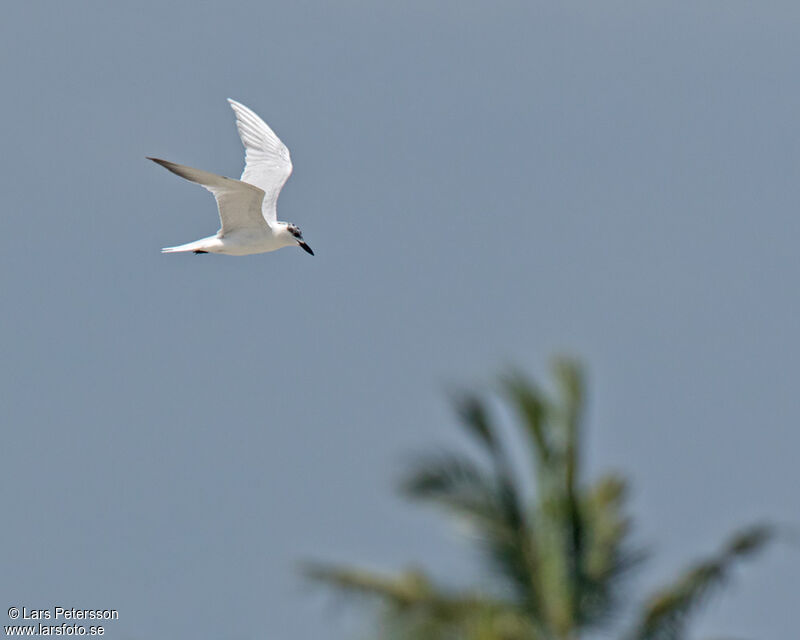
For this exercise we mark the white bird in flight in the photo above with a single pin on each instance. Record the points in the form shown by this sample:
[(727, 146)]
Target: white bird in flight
[(247, 207)]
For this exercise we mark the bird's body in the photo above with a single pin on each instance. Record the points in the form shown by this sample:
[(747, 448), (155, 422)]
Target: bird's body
[(247, 207), (239, 244)]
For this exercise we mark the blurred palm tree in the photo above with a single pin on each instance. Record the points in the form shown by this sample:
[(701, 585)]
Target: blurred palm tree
[(559, 561)]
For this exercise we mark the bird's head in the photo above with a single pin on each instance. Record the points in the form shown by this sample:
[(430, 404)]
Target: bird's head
[(297, 237)]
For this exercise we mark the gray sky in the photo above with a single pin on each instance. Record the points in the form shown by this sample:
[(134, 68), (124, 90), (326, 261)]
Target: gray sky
[(482, 183)]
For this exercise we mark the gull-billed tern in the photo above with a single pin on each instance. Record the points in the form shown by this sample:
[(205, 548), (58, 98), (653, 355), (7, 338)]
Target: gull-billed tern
[(247, 207)]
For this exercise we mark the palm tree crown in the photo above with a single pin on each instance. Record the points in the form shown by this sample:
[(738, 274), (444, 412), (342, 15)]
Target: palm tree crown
[(557, 562)]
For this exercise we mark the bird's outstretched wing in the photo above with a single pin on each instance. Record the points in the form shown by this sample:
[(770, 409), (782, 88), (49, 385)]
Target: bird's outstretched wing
[(267, 161), (239, 203)]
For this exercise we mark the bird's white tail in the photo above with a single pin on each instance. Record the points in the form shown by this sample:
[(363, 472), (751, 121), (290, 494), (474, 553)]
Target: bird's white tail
[(197, 245)]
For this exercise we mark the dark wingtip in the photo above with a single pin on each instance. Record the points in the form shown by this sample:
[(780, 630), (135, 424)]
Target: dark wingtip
[(171, 166)]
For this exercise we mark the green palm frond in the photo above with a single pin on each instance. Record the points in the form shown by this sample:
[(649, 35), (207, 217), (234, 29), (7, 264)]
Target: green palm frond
[(405, 589), (608, 558), (568, 413), (488, 503), (410, 588), (455, 482), (531, 406), (668, 612), (551, 424), (472, 411), (479, 623), (416, 608), (488, 498), (476, 421)]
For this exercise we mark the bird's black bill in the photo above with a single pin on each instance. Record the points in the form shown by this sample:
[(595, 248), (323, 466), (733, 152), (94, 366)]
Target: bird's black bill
[(306, 248)]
